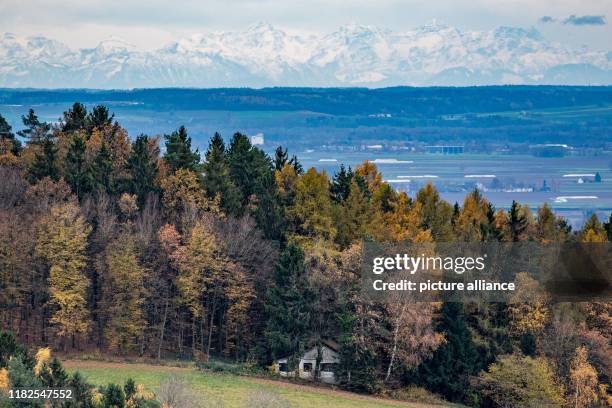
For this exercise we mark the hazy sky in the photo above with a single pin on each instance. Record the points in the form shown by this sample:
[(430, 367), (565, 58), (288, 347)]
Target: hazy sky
[(152, 23)]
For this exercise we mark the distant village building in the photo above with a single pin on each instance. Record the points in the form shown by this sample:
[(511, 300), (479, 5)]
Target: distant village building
[(444, 149), (258, 139), (307, 367), (549, 150)]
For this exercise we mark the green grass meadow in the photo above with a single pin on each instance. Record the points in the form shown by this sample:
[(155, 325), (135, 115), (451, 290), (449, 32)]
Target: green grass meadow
[(231, 389)]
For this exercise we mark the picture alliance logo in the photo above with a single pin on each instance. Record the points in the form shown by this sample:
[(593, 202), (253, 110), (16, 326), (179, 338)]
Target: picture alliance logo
[(424, 263)]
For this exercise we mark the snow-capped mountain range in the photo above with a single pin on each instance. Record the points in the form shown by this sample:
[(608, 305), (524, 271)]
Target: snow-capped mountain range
[(262, 55)]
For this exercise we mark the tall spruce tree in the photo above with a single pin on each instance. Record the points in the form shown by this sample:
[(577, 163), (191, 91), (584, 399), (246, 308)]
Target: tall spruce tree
[(45, 162), (247, 166), (357, 370), (7, 135), (269, 211), (297, 166), (280, 158), (517, 222), (75, 118), (288, 307), (217, 179), (341, 184), (77, 172), (449, 370), (98, 118), (178, 151), (142, 168), (102, 171)]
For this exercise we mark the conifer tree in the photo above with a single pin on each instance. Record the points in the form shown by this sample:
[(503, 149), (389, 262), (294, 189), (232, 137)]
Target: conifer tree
[(280, 158), (6, 135), (5, 129), (353, 217), (517, 222), (142, 168), (297, 166), (102, 171), (75, 118), (247, 165), (217, 179), (288, 307), (452, 364), (35, 131), (45, 162), (77, 171), (341, 184), (98, 118), (269, 212), (178, 151), (357, 370)]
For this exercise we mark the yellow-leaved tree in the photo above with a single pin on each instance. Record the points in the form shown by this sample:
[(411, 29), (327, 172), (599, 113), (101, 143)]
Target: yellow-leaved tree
[(61, 242), (583, 379), (123, 294)]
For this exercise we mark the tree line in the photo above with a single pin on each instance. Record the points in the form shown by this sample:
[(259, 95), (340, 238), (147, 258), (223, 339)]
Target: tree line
[(108, 244)]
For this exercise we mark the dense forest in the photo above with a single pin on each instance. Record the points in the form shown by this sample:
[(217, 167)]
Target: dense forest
[(425, 101), (107, 244)]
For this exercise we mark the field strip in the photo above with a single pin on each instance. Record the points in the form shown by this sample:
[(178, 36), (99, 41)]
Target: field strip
[(104, 365)]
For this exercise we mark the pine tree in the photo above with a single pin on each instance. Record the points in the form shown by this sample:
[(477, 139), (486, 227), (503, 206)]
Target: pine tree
[(216, 177), (102, 171), (288, 307), (7, 136), (77, 171), (142, 168), (269, 211), (45, 162), (35, 131), (280, 158), (98, 118), (517, 222), (247, 166), (357, 370), (297, 166), (113, 397), (75, 118), (451, 365), (178, 151), (5, 129), (341, 184), (353, 217)]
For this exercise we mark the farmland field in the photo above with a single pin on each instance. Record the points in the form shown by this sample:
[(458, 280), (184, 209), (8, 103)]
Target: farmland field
[(232, 390)]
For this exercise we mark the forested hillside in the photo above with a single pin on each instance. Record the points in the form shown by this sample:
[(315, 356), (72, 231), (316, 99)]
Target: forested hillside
[(107, 244)]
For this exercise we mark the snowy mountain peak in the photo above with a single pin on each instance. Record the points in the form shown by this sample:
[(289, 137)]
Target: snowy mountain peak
[(115, 45), (264, 55)]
